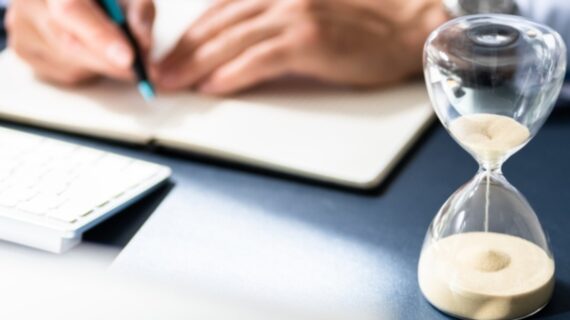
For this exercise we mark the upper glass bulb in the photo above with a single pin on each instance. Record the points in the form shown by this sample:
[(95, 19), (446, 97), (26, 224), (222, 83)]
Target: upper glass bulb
[(494, 65)]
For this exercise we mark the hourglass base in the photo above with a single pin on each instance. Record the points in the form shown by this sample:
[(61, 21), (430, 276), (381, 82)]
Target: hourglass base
[(486, 275), (463, 318)]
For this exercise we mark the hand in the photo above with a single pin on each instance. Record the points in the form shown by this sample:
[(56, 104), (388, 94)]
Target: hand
[(239, 43), (71, 41)]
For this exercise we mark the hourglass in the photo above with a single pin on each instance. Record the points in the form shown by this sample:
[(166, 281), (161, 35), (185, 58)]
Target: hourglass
[(493, 81)]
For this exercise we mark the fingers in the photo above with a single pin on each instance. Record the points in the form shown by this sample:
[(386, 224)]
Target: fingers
[(88, 23), (140, 15), (52, 51), (69, 51), (233, 13), (181, 52), (263, 62), (183, 71), (38, 53), (213, 9)]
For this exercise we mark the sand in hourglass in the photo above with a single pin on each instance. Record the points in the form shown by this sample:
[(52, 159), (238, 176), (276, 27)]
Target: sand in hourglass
[(486, 275), (490, 137)]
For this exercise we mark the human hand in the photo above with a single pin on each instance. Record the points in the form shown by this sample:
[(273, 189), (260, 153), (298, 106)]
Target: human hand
[(239, 43), (71, 41)]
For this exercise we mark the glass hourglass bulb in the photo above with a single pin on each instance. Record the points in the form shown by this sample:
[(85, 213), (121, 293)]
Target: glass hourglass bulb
[(492, 80)]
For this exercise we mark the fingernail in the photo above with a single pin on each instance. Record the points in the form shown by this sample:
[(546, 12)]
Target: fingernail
[(169, 80), (120, 54), (208, 87)]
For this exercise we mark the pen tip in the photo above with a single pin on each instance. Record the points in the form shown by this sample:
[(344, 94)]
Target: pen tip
[(146, 90)]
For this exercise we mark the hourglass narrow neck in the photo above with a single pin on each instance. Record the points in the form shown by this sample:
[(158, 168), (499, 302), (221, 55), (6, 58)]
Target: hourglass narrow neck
[(493, 163), (493, 170)]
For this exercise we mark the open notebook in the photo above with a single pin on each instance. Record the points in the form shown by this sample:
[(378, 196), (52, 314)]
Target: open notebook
[(342, 136)]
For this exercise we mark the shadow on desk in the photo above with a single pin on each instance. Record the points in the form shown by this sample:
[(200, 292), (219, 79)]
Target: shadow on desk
[(118, 230)]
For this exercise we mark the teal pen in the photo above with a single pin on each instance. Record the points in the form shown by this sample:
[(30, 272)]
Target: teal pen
[(112, 8)]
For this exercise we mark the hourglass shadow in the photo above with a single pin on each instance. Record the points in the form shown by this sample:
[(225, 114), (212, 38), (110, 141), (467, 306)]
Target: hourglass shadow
[(558, 305)]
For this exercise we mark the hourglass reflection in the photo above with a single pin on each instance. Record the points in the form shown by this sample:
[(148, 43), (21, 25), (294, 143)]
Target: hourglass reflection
[(492, 80)]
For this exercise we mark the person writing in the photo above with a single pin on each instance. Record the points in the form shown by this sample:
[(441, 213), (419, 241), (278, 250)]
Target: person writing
[(237, 44), (234, 45)]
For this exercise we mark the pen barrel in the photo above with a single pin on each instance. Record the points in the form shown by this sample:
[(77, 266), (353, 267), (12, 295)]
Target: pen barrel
[(138, 63), (114, 11)]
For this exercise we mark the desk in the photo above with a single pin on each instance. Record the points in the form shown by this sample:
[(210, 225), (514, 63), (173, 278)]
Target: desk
[(392, 218)]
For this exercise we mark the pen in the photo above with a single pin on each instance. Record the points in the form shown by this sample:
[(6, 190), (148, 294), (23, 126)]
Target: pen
[(114, 11)]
